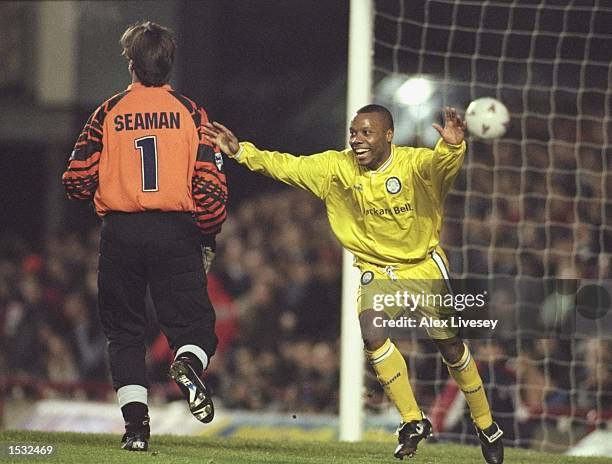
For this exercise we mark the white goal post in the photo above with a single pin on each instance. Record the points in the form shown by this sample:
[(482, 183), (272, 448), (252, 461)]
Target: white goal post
[(361, 46)]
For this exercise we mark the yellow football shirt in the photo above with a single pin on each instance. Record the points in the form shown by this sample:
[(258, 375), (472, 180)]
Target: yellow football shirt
[(390, 216)]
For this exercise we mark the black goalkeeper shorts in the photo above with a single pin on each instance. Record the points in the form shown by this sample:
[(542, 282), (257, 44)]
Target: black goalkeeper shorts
[(161, 250)]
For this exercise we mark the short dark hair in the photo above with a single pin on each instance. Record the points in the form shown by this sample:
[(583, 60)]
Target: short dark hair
[(386, 114), (151, 49)]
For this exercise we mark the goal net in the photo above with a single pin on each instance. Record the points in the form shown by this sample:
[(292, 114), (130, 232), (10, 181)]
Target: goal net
[(531, 209)]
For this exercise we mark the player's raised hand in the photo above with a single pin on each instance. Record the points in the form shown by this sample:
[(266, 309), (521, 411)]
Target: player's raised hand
[(454, 127), (222, 137)]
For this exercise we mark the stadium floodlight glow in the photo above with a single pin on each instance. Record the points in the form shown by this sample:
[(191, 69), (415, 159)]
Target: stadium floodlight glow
[(415, 91)]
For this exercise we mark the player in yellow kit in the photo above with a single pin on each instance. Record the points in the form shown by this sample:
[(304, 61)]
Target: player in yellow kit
[(384, 204)]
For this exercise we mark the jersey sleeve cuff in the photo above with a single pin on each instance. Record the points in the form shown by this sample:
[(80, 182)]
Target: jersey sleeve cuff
[(239, 153), (449, 146)]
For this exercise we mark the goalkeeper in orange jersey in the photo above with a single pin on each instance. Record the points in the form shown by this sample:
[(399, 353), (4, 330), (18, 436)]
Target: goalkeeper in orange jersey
[(384, 204), (158, 185)]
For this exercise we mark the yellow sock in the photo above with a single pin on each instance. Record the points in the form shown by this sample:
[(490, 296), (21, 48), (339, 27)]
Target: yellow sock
[(467, 377), (392, 372)]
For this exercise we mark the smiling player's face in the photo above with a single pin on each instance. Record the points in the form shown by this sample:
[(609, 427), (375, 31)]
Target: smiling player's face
[(370, 140)]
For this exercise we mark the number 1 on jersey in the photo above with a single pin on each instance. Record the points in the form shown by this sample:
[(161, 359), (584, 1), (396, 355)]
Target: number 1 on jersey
[(148, 162)]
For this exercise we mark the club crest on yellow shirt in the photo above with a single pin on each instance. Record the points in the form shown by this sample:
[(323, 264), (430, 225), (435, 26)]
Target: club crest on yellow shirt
[(393, 185), (367, 277)]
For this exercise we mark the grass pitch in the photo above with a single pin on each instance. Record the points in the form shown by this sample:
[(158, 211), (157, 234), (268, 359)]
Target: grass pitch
[(97, 448)]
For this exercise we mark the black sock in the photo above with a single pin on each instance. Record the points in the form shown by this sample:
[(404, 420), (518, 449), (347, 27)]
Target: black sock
[(135, 415), (193, 361)]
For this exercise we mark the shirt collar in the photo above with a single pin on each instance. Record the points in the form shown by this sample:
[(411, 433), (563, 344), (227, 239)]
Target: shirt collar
[(387, 162), (138, 85)]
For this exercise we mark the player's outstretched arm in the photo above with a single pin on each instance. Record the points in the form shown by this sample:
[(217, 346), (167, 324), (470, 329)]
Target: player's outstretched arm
[(448, 155), (312, 173), (222, 137), (454, 128)]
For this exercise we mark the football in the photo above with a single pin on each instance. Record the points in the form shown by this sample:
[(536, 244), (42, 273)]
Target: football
[(487, 118)]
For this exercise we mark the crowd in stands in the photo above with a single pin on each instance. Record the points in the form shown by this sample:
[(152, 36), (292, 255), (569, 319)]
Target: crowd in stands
[(276, 286)]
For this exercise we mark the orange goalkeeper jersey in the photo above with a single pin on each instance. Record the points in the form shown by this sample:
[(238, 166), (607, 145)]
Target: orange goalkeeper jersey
[(144, 149)]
